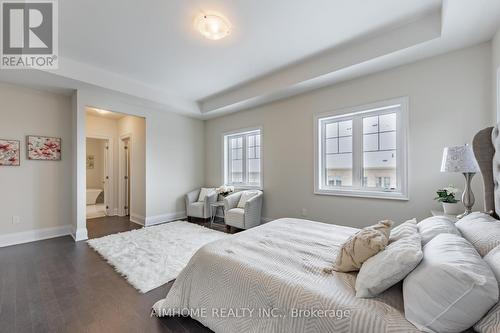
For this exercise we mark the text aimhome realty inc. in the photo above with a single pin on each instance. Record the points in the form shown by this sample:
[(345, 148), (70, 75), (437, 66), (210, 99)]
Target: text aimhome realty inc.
[(254, 312)]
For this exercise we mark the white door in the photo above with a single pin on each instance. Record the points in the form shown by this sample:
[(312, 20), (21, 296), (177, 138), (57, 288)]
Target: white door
[(105, 180), (126, 178)]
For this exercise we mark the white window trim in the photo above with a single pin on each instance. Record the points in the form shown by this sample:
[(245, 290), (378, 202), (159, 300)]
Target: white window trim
[(402, 156), (225, 161)]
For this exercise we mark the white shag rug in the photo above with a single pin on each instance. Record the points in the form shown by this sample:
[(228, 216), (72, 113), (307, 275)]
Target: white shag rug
[(152, 256)]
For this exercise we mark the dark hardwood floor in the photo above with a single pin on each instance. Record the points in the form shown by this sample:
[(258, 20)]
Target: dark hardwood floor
[(108, 225), (58, 285)]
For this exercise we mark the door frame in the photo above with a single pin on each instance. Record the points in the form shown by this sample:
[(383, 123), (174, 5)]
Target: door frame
[(121, 174), (497, 92), (109, 185)]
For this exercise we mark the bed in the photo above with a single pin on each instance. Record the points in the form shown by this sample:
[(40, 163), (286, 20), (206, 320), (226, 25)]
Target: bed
[(278, 278)]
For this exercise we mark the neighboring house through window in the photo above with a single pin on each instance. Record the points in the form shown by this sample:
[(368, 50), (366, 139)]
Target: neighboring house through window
[(362, 151), (243, 159)]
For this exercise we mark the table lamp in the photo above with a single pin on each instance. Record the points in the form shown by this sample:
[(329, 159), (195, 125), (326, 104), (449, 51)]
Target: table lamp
[(461, 159)]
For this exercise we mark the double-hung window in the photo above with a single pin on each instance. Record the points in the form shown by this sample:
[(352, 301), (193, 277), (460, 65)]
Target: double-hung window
[(362, 151), (243, 159)]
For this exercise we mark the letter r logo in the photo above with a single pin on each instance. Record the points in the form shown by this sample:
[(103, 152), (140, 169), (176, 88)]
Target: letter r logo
[(27, 27)]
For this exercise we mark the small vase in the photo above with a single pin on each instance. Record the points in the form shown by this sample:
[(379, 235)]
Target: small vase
[(451, 208)]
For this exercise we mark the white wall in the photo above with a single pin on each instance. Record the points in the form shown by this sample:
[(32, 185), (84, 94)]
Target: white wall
[(99, 127), (95, 176), (495, 60), (174, 156), (450, 99), (135, 128), (36, 191)]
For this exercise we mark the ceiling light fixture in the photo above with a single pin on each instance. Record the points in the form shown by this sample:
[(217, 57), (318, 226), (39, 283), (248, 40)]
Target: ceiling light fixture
[(212, 26), (102, 111)]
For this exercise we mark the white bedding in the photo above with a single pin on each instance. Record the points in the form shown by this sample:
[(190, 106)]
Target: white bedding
[(268, 279)]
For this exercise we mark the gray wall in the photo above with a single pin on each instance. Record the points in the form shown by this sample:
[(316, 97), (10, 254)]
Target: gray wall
[(450, 99), (37, 191)]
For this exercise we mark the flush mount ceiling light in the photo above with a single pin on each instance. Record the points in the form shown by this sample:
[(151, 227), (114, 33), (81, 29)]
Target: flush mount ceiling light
[(212, 26), (101, 111)]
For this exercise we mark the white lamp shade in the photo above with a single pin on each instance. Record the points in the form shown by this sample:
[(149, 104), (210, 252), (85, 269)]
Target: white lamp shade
[(459, 159)]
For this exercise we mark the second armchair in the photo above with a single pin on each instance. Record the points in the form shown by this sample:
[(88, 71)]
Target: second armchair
[(243, 209)]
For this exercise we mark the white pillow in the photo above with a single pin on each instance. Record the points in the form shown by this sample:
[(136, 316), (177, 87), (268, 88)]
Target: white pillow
[(204, 192), (389, 266), (451, 289), (493, 259), (407, 228), (245, 196), (481, 230), (435, 225), (491, 322)]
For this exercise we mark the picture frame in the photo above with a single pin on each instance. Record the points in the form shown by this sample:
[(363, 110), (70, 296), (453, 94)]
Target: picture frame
[(10, 152), (90, 162), (43, 148)]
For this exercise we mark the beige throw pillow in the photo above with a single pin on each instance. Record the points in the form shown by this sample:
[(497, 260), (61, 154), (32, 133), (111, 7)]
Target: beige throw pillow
[(364, 244)]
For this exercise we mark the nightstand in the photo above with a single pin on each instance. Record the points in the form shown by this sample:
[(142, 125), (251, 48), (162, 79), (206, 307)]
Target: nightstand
[(441, 213), (214, 206)]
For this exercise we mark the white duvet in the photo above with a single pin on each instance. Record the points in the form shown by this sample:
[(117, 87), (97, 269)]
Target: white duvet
[(277, 278)]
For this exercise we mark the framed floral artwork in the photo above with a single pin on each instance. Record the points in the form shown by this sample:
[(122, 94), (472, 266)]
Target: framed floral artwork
[(43, 148), (90, 161), (10, 152)]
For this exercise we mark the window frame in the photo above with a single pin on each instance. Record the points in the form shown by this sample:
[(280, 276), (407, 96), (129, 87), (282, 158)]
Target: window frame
[(226, 158), (357, 113)]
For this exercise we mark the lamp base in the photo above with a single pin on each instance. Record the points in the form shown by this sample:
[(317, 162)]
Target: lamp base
[(464, 214), (467, 197)]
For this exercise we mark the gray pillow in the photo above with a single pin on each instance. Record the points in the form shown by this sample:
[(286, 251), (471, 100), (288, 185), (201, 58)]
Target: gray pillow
[(451, 289), (407, 228), (481, 230)]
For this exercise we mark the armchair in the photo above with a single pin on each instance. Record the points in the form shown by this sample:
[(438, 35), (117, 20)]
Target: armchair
[(243, 218), (199, 209)]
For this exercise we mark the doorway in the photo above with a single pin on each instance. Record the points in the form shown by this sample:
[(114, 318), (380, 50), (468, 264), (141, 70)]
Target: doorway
[(122, 187), (98, 170)]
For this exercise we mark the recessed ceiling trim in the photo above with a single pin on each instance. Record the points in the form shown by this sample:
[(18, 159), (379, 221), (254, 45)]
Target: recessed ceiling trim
[(310, 73), (75, 70)]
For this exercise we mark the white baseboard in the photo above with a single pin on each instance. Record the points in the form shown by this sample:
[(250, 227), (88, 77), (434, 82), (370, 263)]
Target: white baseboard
[(34, 235), (80, 234), (158, 219), (138, 219)]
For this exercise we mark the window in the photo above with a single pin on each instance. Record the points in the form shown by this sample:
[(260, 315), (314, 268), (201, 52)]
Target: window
[(242, 159), (363, 151)]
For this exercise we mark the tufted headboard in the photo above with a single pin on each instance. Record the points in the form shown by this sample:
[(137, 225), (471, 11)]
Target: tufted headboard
[(486, 146)]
